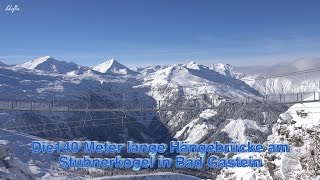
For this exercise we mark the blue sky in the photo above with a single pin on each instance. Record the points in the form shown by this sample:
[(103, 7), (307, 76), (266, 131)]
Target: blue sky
[(143, 32)]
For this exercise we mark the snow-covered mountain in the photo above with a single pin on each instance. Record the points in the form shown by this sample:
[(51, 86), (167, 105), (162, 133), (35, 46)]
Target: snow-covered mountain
[(185, 85), (113, 67), (20, 163), (196, 77), (293, 83), (49, 64), (225, 69), (298, 127), (3, 64), (281, 68), (149, 69)]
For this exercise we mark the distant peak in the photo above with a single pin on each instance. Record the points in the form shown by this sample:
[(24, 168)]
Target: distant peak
[(193, 65), (47, 57), (3, 64), (113, 67), (49, 64), (223, 69), (43, 58), (110, 60), (192, 62)]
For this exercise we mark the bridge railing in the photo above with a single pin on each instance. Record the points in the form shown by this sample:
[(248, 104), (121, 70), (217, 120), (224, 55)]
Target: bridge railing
[(103, 104), (293, 97)]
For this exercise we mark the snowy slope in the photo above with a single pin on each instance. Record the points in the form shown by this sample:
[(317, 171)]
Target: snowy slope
[(197, 129), (149, 69), (182, 83), (156, 176), (178, 84), (299, 127), (225, 69), (49, 64), (305, 82), (26, 84), (3, 64), (197, 77), (113, 67), (17, 161), (236, 129)]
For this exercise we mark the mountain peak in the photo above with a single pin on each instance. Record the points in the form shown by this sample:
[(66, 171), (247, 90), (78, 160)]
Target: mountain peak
[(49, 64), (224, 69), (193, 65), (35, 62), (112, 66), (3, 64), (47, 57)]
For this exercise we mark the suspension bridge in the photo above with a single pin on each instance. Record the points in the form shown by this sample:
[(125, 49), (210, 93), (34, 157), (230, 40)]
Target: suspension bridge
[(210, 101), (95, 102)]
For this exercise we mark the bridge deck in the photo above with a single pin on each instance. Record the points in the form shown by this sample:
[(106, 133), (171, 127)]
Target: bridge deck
[(162, 105)]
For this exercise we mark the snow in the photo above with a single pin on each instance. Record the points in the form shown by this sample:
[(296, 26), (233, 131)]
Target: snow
[(193, 65), (193, 80), (3, 64), (20, 162), (49, 64), (194, 131), (34, 63), (48, 76), (296, 129), (236, 129), (105, 66), (208, 113), (156, 176), (305, 82), (113, 67), (246, 173), (4, 142), (224, 69)]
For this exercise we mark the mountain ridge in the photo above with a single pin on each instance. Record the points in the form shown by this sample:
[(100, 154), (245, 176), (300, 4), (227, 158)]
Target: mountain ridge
[(112, 66), (49, 64)]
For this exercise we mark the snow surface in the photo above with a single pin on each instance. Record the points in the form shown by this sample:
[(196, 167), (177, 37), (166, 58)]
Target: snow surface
[(156, 176), (19, 162), (246, 173), (113, 67), (236, 129), (49, 64), (303, 82), (49, 76), (299, 130), (3, 64), (198, 79)]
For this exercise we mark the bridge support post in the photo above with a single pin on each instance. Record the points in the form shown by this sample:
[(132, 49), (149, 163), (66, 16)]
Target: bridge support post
[(159, 106), (212, 102)]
